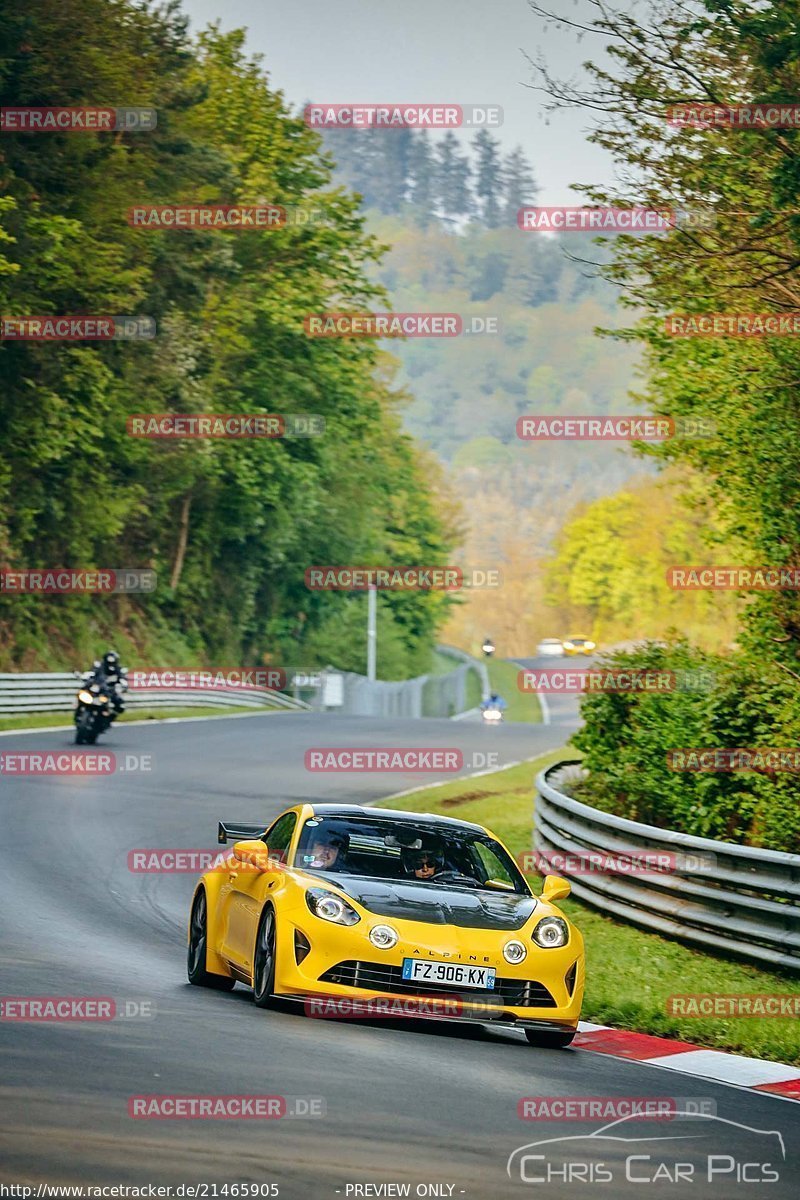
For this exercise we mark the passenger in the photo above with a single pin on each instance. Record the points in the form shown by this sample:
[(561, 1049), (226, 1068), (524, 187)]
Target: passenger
[(327, 852)]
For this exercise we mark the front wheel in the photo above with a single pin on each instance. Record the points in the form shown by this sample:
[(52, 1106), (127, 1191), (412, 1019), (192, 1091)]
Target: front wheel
[(196, 957), (550, 1039), (83, 727), (264, 960)]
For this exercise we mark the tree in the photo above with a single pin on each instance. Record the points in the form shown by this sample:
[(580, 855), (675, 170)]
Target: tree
[(422, 174), (519, 185), (453, 177), (229, 527), (488, 179)]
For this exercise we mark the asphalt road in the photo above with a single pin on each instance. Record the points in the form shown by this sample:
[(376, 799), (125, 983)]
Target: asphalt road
[(430, 1106)]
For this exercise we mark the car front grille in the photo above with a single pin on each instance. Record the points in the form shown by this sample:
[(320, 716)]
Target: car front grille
[(380, 977)]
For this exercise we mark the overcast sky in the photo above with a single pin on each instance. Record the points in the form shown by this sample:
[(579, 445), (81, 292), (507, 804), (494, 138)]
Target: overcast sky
[(460, 51)]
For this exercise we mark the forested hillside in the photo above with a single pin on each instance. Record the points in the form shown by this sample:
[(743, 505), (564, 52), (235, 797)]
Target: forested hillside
[(228, 526)]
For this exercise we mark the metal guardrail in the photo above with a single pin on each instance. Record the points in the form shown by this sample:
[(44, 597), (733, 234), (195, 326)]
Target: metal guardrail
[(736, 899), (424, 696), (56, 691)]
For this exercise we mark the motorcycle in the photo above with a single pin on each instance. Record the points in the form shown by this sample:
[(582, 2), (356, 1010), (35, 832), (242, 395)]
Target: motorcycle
[(94, 709), (492, 715)]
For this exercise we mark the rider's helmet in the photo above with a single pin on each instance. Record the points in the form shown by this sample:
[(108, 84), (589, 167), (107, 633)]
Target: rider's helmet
[(111, 662)]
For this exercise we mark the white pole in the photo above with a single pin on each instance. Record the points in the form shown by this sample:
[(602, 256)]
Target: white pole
[(372, 631)]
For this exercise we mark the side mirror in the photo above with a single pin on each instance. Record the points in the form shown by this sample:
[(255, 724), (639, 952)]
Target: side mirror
[(253, 854), (555, 888)]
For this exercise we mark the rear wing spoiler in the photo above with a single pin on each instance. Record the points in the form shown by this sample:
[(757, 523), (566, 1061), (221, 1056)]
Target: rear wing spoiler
[(238, 832)]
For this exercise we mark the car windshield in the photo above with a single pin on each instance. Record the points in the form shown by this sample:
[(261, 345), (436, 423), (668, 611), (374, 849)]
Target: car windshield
[(414, 852)]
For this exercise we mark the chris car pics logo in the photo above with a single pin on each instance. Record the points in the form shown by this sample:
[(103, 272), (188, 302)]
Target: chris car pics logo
[(696, 1148)]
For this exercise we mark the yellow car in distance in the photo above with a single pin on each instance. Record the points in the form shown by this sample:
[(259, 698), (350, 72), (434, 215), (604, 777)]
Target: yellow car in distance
[(337, 901), (579, 645)]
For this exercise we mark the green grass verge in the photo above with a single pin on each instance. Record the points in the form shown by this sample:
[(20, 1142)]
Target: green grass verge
[(522, 706), (48, 720), (630, 973)]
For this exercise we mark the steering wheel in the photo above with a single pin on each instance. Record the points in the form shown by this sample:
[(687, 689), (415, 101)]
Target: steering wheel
[(453, 877)]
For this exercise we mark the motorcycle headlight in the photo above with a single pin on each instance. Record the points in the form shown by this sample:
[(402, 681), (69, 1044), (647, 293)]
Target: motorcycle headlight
[(331, 907), (514, 952), (85, 697), (550, 933), (383, 936)]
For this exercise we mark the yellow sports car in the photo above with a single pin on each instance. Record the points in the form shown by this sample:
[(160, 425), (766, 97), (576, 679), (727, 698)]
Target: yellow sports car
[(579, 645), (339, 901)]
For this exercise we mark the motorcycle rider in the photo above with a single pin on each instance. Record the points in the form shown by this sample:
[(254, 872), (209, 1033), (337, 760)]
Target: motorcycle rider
[(109, 674), (495, 700)]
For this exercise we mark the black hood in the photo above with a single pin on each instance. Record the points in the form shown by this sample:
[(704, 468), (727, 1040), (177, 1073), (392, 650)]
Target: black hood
[(438, 904)]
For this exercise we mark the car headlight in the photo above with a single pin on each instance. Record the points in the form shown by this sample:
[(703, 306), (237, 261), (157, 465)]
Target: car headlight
[(568, 646), (85, 697), (331, 907), (383, 936), (550, 933), (514, 952)]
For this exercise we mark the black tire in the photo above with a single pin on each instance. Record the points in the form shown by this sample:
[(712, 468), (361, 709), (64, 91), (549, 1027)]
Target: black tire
[(83, 724), (196, 957), (264, 960), (550, 1039)]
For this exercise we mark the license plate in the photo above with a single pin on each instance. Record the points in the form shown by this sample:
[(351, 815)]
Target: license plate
[(421, 970)]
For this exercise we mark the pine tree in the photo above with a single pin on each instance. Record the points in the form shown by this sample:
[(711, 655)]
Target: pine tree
[(389, 174), (453, 179), (422, 179), (519, 185), (488, 179)]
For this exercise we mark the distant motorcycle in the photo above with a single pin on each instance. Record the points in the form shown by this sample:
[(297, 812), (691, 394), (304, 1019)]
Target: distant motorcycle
[(95, 708), (493, 708)]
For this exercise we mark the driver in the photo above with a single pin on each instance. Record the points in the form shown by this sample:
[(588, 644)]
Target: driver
[(422, 864)]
